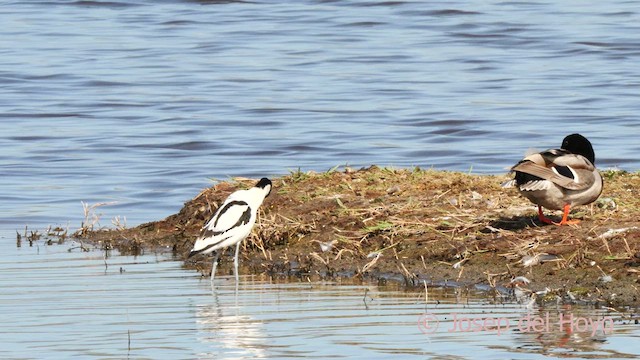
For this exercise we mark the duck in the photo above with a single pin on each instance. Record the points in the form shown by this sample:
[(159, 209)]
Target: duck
[(231, 223), (559, 179)]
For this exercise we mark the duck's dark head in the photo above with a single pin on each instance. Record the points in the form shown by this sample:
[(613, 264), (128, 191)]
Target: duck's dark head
[(264, 183), (578, 144)]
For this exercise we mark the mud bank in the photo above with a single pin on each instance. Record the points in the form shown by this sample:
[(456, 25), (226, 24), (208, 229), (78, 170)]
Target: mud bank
[(413, 225)]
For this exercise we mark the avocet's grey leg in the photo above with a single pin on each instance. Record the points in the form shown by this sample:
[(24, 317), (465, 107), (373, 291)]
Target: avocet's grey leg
[(235, 263), (214, 266)]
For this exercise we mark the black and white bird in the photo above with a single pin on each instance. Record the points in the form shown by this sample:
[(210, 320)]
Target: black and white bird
[(559, 178), (231, 223)]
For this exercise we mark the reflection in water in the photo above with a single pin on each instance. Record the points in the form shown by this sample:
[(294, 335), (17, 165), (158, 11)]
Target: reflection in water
[(57, 303), (568, 331), (272, 320), (233, 334)]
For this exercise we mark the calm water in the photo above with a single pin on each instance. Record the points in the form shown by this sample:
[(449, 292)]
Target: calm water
[(61, 304), (141, 103)]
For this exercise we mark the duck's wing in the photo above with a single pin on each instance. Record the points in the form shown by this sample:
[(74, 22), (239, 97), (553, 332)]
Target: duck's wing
[(570, 171)]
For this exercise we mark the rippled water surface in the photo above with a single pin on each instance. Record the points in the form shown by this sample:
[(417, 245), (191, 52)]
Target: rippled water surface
[(60, 302), (139, 104)]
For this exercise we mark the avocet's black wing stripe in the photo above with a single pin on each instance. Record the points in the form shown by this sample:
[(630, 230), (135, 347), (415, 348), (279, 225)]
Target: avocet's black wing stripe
[(243, 219), (220, 214), (208, 246), (227, 216)]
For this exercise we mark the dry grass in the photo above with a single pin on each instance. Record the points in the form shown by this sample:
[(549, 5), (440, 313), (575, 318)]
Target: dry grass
[(417, 225), (92, 218)]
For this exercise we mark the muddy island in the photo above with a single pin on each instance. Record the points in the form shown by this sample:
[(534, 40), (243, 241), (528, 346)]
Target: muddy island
[(419, 227)]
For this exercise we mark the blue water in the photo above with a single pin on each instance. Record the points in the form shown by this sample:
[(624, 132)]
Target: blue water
[(58, 302), (141, 104)]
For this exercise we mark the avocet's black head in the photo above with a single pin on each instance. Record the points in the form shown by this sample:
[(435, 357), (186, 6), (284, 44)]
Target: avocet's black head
[(263, 184), (578, 144)]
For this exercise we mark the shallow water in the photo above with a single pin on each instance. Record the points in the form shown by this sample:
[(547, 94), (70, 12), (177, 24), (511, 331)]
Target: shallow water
[(60, 302), (139, 104)]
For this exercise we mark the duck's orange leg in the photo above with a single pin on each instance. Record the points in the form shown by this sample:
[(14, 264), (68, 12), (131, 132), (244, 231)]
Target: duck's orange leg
[(565, 215), (543, 218)]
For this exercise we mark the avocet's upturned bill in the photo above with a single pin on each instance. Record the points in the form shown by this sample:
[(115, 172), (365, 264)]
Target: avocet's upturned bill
[(231, 223)]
